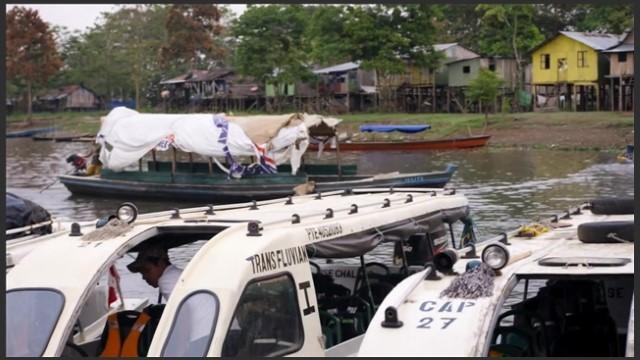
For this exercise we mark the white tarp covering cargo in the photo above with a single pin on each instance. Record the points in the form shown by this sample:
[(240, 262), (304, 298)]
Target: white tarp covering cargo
[(126, 136)]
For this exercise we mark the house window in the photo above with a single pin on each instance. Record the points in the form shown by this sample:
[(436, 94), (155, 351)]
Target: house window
[(267, 320), (492, 67), (582, 61), (466, 69), (622, 57), (545, 61)]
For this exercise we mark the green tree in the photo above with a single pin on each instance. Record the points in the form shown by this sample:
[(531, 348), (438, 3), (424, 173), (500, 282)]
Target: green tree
[(123, 48), (138, 35), (32, 57), (509, 30), (387, 38), (271, 46), (484, 89), (458, 23), (324, 35), (614, 19)]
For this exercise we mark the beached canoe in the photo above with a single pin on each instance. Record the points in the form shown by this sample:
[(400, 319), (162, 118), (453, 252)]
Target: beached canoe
[(440, 144), (30, 132)]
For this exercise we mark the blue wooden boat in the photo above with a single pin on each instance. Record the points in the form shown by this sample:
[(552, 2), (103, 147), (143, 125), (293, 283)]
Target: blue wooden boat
[(30, 132), (198, 182), (407, 129)]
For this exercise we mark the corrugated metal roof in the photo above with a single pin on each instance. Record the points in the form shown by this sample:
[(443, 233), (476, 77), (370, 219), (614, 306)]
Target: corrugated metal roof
[(442, 47), (596, 41), (621, 48), (338, 68), (178, 79)]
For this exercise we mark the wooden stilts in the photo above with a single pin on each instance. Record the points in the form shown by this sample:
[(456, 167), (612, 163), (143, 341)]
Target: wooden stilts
[(596, 86), (611, 93), (621, 93)]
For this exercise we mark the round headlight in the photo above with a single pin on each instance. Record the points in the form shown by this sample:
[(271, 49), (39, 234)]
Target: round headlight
[(127, 212), (445, 260), (495, 256)]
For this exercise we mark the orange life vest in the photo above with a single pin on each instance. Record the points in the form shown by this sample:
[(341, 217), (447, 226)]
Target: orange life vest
[(114, 347)]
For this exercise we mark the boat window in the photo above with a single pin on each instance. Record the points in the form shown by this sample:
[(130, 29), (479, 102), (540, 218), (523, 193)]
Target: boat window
[(564, 316), (583, 261), (266, 321), (31, 317), (193, 326)]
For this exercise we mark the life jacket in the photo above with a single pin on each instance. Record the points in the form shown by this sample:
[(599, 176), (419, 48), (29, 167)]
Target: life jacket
[(114, 346)]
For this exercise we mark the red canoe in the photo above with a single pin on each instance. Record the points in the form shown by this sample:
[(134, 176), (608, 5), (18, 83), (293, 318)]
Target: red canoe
[(441, 144)]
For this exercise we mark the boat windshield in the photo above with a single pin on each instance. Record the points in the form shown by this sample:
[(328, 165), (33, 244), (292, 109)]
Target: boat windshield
[(31, 317), (193, 327)]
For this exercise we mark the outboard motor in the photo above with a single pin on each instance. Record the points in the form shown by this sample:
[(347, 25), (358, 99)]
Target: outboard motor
[(78, 162)]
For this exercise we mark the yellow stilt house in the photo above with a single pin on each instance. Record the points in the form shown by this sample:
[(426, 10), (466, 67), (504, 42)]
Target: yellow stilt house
[(568, 70)]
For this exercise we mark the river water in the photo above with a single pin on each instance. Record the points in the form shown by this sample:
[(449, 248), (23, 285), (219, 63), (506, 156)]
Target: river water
[(505, 187)]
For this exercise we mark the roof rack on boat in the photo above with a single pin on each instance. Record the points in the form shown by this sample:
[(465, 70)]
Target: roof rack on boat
[(210, 209), (29, 227), (128, 212)]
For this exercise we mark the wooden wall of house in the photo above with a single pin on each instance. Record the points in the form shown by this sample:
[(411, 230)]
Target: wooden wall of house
[(563, 47), (457, 76), (81, 98), (507, 70), (621, 68), (366, 77), (412, 76)]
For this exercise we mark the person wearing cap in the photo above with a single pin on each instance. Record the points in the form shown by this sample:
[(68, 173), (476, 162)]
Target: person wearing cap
[(156, 269)]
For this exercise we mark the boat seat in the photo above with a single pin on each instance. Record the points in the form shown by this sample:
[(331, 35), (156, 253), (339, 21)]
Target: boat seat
[(513, 342), (529, 326), (588, 334), (378, 275), (331, 329), (326, 287), (126, 319), (352, 313)]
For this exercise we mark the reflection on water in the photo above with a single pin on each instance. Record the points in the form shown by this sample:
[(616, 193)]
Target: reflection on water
[(505, 187)]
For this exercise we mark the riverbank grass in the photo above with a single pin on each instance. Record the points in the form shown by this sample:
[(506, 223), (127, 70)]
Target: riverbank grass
[(524, 125)]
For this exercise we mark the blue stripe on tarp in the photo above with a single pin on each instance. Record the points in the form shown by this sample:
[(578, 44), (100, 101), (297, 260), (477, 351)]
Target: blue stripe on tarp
[(389, 128)]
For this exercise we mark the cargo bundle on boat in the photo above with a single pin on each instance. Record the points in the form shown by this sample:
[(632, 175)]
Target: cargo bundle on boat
[(272, 144)]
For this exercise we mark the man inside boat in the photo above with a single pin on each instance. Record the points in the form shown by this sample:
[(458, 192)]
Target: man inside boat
[(156, 269)]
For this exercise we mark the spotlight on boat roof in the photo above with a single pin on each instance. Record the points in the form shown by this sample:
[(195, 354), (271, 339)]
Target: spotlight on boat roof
[(445, 260), (496, 256), (127, 212)]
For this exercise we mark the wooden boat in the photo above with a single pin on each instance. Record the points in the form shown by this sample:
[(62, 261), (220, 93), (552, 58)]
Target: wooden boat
[(248, 285), (440, 144), (30, 132), (60, 137), (200, 182)]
